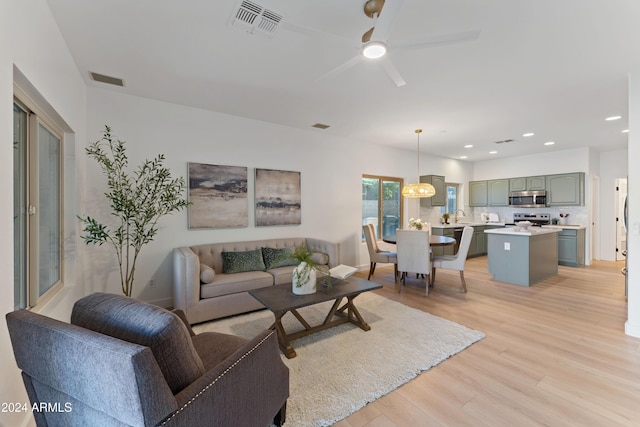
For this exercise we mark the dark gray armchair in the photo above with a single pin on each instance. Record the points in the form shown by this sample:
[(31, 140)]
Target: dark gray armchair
[(122, 362)]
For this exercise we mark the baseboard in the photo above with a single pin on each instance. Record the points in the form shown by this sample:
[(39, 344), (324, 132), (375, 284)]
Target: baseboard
[(631, 329)]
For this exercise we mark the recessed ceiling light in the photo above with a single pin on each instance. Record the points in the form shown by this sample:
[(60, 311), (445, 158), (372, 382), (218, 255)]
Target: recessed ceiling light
[(528, 134), (493, 152), (625, 131), (463, 157), (549, 143), (468, 146), (612, 118)]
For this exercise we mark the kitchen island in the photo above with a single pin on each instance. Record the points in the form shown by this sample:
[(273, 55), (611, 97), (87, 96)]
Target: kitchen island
[(522, 257)]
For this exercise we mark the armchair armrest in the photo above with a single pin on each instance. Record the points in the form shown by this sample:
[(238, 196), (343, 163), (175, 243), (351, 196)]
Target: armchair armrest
[(253, 373)]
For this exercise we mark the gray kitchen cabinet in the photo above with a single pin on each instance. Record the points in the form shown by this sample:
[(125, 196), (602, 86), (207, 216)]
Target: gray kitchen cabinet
[(528, 183), (478, 195), (478, 245), (498, 192), (565, 189), (571, 247), (536, 183), (443, 250), (440, 198)]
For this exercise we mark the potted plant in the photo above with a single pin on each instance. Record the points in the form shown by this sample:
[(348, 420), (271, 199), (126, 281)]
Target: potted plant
[(137, 202), (445, 217)]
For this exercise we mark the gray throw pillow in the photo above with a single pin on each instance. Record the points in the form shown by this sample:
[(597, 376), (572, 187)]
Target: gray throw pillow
[(274, 258), (238, 262), (320, 258)]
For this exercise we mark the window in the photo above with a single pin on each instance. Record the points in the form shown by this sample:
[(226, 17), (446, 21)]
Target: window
[(382, 204), (37, 206), (451, 205)]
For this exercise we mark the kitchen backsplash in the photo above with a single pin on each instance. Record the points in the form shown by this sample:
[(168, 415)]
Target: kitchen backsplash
[(578, 215)]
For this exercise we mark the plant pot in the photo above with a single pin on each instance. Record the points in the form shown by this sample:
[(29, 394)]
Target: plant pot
[(304, 279)]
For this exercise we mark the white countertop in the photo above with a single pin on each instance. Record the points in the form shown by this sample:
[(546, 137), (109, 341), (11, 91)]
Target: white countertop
[(465, 224), (533, 231), (568, 226)]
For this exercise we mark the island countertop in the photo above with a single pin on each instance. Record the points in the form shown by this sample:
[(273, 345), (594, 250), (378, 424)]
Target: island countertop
[(532, 231)]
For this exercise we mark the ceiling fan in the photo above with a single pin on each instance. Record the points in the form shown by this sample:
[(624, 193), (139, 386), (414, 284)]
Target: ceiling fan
[(375, 41)]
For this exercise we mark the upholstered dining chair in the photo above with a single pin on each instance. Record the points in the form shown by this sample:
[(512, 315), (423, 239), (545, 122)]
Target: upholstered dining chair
[(376, 255), (414, 253), (457, 261)]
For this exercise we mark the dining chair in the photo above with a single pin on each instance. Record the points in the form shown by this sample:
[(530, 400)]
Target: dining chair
[(376, 255), (457, 261), (413, 254)]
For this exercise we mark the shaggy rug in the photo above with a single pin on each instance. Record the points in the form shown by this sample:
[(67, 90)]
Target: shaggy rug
[(340, 370)]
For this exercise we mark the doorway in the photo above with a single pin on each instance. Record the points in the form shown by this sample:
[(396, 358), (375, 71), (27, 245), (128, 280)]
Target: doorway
[(621, 233)]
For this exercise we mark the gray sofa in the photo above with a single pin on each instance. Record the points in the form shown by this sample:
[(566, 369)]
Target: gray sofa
[(225, 293), (122, 362)]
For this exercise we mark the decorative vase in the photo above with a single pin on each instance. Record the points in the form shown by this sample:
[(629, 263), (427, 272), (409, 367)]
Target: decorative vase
[(304, 279)]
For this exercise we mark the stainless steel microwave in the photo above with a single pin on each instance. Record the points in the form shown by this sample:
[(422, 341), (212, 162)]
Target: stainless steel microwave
[(528, 199)]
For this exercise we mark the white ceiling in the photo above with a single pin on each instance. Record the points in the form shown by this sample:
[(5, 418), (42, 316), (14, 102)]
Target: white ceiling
[(553, 67)]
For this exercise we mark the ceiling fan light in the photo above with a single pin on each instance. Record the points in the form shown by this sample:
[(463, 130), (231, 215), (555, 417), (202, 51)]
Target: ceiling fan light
[(374, 50)]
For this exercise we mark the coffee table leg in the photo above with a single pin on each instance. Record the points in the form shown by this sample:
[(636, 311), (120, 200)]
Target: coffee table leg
[(286, 348), (353, 311)]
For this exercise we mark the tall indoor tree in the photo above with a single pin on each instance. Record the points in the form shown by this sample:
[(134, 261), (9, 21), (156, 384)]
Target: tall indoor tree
[(138, 201)]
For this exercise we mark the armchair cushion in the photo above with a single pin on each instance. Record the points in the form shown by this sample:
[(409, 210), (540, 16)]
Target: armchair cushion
[(147, 325)]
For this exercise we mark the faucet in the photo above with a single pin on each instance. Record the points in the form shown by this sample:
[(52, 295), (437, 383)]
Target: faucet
[(455, 219)]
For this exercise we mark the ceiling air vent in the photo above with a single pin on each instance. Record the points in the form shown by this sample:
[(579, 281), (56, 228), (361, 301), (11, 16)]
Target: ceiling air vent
[(504, 141), (255, 19), (106, 79), (320, 126)]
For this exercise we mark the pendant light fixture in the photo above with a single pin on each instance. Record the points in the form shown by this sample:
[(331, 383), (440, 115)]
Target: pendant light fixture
[(421, 189)]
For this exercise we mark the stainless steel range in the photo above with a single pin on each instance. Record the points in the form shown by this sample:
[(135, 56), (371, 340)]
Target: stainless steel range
[(536, 219)]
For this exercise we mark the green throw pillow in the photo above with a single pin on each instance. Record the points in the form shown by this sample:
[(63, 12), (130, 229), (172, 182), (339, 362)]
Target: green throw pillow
[(274, 258), (238, 262)]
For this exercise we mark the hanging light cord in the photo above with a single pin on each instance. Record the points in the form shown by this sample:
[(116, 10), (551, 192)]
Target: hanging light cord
[(418, 131)]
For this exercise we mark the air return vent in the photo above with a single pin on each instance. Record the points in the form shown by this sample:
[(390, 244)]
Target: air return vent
[(106, 79), (504, 141), (320, 126), (255, 19)]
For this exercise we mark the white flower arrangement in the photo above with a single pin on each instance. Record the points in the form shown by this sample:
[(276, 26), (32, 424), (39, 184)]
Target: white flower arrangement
[(416, 224)]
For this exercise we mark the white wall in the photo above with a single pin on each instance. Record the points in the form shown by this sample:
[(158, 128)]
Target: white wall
[(331, 171), (33, 45), (632, 326)]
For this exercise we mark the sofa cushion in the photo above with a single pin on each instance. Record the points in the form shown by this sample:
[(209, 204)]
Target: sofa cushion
[(241, 261), (274, 257), (320, 258), (225, 284), (206, 273), (144, 324)]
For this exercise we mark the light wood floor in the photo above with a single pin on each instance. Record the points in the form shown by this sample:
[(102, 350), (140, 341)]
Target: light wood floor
[(555, 354)]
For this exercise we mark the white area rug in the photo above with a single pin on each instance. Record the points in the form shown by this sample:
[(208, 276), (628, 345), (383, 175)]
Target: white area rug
[(340, 370)]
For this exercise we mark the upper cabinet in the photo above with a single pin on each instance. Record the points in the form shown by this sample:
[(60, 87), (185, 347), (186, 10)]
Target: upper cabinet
[(529, 183), (478, 195), (440, 198), (498, 192), (565, 189)]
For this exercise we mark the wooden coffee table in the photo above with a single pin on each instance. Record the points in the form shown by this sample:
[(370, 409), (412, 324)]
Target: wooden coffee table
[(281, 300)]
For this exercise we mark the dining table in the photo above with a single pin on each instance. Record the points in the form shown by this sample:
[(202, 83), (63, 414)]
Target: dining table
[(433, 240)]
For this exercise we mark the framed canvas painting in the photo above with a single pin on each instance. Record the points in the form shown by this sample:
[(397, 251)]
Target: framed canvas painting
[(277, 198), (218, 196)]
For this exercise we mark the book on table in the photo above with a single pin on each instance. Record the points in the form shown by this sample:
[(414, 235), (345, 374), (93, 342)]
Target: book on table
[(342, 271)]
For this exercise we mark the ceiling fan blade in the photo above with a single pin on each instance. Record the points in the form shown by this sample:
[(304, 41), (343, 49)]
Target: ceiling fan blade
[(384, 23), (439, 40), (350, 63), (392, 71)]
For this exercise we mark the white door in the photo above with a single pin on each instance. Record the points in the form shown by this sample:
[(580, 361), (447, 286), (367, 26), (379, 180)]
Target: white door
[(621, 234)]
